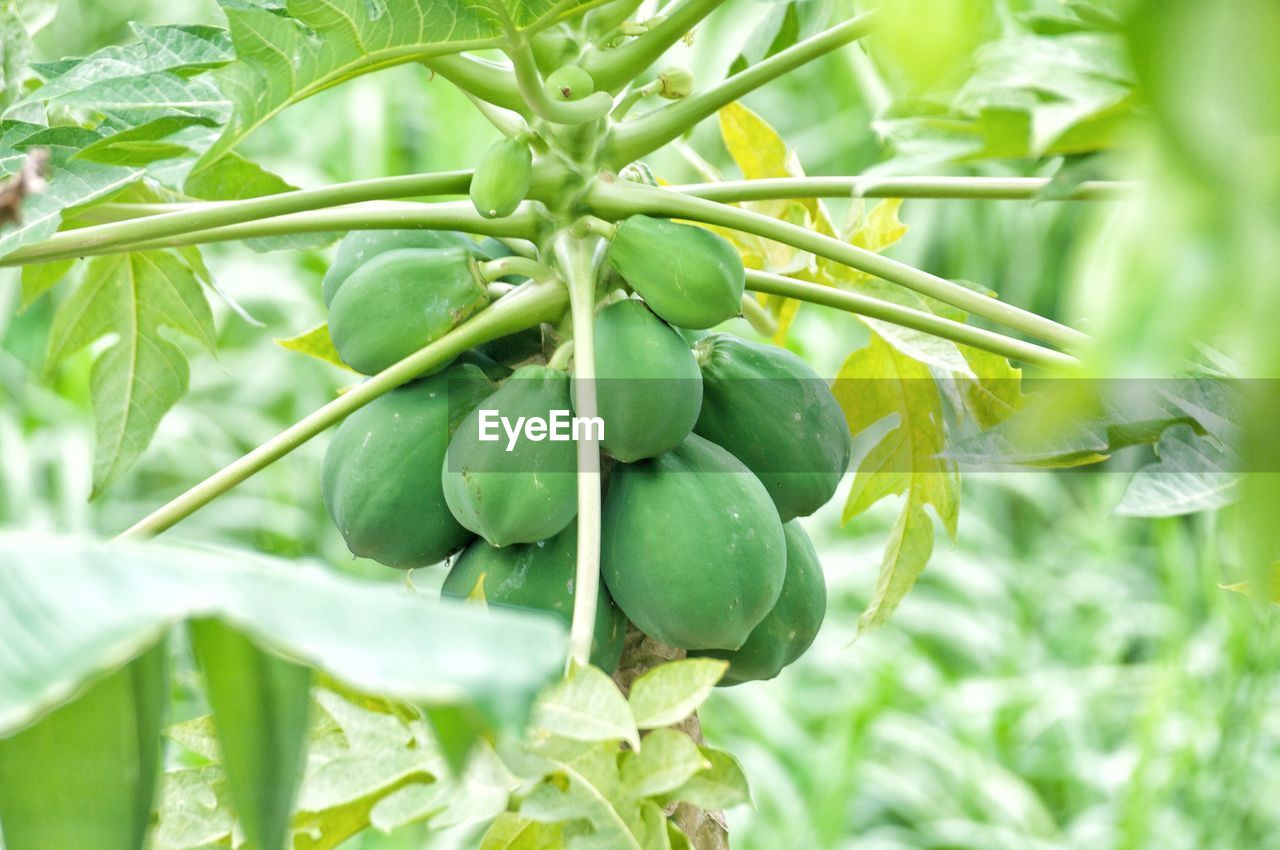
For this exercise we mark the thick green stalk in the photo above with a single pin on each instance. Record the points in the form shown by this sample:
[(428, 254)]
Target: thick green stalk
[(576, 256), (907, 317), (205, 216), (525, 308), (646, 133), (954, 188), (454, 215), (613, 69), (614, 201), (589, 108), (488, 81)]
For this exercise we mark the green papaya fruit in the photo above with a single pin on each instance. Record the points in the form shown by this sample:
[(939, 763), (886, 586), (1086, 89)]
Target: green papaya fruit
[(766, 406), (493, 370), (514, 490), (537, 577), (381, 473), (514, 349), (648, 386), (692, 549), (789, 629), (502, 178), (555, 46), (569, 83), (360, 246), (401, 300), (690, 276)]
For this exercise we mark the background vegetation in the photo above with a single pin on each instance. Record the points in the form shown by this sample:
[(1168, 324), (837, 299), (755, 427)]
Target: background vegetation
[(1060, 678)]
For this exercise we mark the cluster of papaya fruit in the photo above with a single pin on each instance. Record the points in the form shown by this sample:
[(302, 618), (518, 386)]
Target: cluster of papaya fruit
[(713, 446)]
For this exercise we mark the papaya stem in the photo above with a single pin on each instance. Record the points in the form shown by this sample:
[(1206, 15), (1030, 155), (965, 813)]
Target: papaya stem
[(206, 215), (523, 266), (613, 200), (489, 81), (105, 238), (907, 317), (590, 108), (761, 321), (948, 187), (614, 68), (527, 307), (633, 139), (561, 356), (577, 258)]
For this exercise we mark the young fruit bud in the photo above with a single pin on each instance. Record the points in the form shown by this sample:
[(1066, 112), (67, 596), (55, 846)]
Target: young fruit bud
[(569, 83), (677, 82), (502, 178)]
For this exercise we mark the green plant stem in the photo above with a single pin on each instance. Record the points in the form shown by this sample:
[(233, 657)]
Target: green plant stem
[(633, 97), (527, 307), (561, 356), (205, 216), (613, 69), (956, 188), (508, 123), (640, 136), (532, 89), (761, 321), (454, 215), (613, 200), (577, 262), (907, 317), (489, 81), (523, 266)]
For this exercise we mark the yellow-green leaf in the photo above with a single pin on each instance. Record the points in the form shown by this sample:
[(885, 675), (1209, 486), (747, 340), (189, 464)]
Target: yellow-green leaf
[(316, 343)]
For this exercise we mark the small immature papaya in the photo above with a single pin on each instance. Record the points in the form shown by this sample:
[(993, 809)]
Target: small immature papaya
[(689, 276), (789, 629), (401, 300), (523, 495), (766, 406), (648, 386), (692, 549), (537, 577), (360, 246), (380, 478), (569, 83), (502, 178)]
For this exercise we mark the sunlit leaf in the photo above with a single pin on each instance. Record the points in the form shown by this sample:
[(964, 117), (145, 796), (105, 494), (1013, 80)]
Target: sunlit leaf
[(721, 786), (587, 707), (667, 759), (1191, 475), (671, 692)]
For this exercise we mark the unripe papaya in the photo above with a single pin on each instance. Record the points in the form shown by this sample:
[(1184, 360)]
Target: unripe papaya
[(537, 577), (555, 46), (689, 276), (692, 549), (401, 300), (569, 83), (523, 495), (766, 406), (360, 246), (648, 387), (789, 629), (502, 178), (380, 478)]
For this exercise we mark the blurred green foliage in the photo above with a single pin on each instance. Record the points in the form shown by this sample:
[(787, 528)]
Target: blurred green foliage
[(1060, 679)]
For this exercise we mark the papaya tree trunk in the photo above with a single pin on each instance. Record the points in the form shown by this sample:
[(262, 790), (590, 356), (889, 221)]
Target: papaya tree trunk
[(707, 830)]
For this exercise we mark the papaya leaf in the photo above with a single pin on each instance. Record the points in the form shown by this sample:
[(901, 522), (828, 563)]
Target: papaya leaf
[(667, 759), (671, 692), (510, 831), (260, 704), (587, 788), (89, 605), (134, 101), (877, 382), (39, 278), (587, 707), (784, 25), (1191, 475), (143, 374), (723, 785), (102, 753), (994, 393), (146, 143), (479, 794), (287, 50)]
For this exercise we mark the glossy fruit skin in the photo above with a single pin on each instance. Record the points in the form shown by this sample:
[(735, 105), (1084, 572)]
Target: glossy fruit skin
[(380, 478), (537, 577), (527, 494), (399, 301), (648, 385), (360, 246), (569, 83), (692, 549), (766, 406), (789, 629), (688, 275), (502, 178)]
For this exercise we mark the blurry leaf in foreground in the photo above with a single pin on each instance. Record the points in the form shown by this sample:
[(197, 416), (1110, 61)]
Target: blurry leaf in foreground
[(84, 777), (1268, 591), (316, 343), (1191, 475)]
